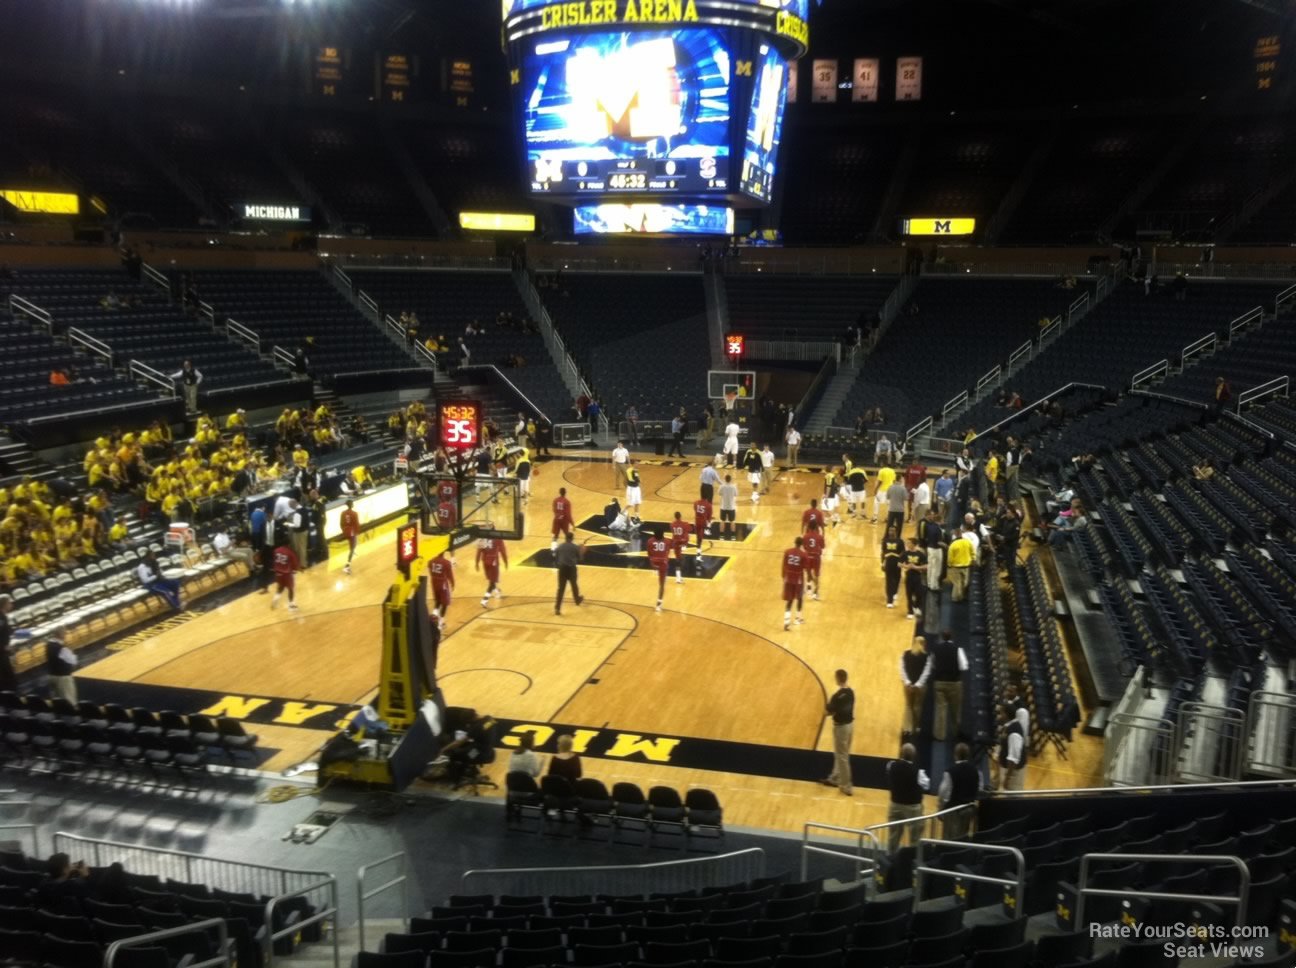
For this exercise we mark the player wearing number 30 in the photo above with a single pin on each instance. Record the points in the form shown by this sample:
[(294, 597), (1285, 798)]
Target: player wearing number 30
[(659, 559)]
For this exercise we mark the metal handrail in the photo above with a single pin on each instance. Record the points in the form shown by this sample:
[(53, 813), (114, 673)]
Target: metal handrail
[(826, 369), (1245, 320), (400, 880), (1277, 386), (1207, 342), (993, 376), (1077, 306), (1083, 891), (28, 828), (159, 279), (368, 302), (394, 325), (860, 834), (1284, 297), (921, 427), (143, 940), (1201, 713), (271, 936), (523, 879), (237, 330), (159, 379), (428, 356), (921, 870), (281, 355), (1274, 701), (1148, 373), (512, 386), (1054, 325), (341, 276), (20, 304), (954, 403), (92, 412), (86, 341), (1027, 349), (207, 311)]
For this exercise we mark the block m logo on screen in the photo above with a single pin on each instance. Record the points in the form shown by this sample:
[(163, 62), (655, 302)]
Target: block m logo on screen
[(941, 227)]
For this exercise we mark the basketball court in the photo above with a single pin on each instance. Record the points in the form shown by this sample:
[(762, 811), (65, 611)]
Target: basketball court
[(711, 692)]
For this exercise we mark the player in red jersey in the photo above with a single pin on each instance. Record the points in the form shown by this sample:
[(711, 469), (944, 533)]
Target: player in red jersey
[(813, 544), (562, 517), (680, 531), (489, 553), (441, 574), (659, 558), (702, 513), (812, 513), (285, 567), (446, 516), (447, 491), (793, 582)]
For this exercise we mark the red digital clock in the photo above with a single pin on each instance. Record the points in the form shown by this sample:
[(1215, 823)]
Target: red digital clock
[(460, 423)]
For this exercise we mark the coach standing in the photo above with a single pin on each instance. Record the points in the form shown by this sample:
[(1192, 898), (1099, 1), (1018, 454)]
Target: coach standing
[(189, 377), (841, 707), (568, 557)]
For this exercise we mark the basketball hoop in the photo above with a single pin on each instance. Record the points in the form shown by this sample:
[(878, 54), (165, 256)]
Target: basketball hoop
[(730, 398)]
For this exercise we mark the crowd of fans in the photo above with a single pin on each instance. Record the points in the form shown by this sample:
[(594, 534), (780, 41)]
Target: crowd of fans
[(44, 531)]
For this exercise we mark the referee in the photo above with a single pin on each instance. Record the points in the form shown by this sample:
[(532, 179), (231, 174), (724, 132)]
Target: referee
[(568, 556), (710, 479)]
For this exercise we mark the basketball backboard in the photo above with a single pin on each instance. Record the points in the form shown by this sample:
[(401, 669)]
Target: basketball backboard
[(470, 507)]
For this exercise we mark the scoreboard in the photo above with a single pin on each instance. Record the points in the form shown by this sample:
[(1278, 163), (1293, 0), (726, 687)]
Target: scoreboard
[(652, 99)]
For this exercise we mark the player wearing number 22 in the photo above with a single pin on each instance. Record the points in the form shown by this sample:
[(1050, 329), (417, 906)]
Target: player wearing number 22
[(441, 574), (793, 582), (489, 553)]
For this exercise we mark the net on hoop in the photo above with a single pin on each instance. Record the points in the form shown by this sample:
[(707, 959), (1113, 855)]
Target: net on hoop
[(730, 398)]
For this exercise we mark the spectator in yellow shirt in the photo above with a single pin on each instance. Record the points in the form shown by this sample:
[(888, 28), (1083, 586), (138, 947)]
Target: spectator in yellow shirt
[(237, 420), (300, 457), (117, 533), (958, 561)]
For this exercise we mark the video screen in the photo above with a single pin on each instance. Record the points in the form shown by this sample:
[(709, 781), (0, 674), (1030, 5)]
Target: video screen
[(611, 218), (764, 124), (800, 8), (628, 112)]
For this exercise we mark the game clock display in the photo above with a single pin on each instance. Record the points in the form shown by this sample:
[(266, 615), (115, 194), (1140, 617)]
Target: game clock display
[(460, 424)]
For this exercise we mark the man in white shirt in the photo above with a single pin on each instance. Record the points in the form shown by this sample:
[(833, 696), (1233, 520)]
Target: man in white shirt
[(921, 502), (1012, 751), (793, 440), (519, 430), (731, 443), (883, 451), (977, 534), (728, 508), (767, 468), (620, 457)]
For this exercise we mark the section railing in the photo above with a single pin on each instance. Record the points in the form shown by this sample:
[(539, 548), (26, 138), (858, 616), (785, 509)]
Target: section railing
[(917, 828), (368, 302), (342, 278), (23, 832), (90, 344), (396, 865), (1030, 408), (208, 312), (1245, 320), (499, 374), (282, 357), (237, 330), (1284, 299), (1084, 891), (223, 956), (1277, 387), (863, 864), (1146, 740), (1148, 374), (1047, 331), (1185, 788), (158, 279), (791, 349), (142, 371), (825, 372), (325, 885), (1018, 884), (18, 305), (1196, 348), (1216, 734), (1271, 733), (1079, 306), (665, 877)]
